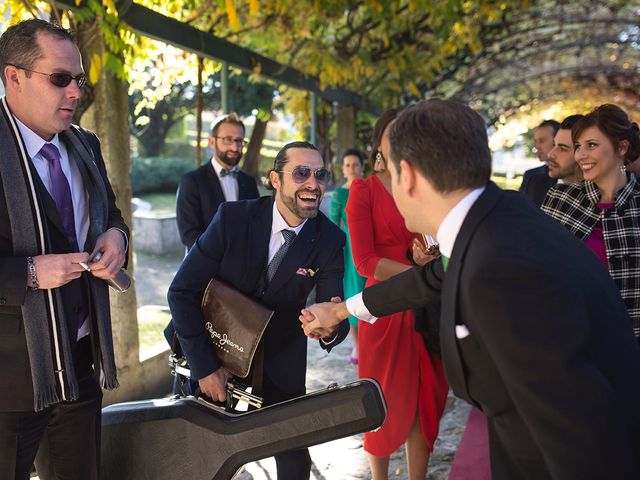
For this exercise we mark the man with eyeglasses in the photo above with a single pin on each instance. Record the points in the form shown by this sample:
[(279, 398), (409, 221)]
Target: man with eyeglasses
[(276, 250), (57, 212), (201, 191)]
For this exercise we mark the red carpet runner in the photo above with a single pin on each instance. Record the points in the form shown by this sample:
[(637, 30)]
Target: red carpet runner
[(472, 458)]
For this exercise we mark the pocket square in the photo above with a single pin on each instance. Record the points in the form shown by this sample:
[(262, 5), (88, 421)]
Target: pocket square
[(462, 332), (307, 272)]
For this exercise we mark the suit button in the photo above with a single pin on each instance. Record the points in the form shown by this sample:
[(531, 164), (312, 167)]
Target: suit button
[(3, 301)]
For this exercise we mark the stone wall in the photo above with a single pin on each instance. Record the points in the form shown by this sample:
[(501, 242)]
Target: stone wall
[(156, 234)]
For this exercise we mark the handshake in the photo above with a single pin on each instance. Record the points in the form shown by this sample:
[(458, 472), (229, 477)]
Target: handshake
[(321, 320)]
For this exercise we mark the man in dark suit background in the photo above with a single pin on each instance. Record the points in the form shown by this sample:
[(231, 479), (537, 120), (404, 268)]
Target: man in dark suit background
[(536, 182), (201, 191), (241, 241), (533, 331), (57, 209)]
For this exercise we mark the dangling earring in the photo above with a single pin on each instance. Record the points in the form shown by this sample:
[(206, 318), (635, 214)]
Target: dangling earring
[(623, 169), (379, 165)]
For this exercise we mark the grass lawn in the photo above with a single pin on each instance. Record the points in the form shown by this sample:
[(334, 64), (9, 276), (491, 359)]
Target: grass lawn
[(161, 203), (151, 323)]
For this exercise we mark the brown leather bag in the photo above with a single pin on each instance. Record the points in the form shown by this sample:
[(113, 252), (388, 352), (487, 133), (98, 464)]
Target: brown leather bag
[(235, 324)]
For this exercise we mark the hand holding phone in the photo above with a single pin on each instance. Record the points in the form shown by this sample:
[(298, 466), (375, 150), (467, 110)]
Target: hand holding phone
[(120, 283)]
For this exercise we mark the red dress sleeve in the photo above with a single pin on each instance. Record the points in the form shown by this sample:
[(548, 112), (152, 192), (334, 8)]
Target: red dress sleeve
[(360, 222)]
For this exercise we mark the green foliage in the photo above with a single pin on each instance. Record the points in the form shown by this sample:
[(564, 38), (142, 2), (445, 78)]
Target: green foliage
[(161, 203), (152, 118), (156, 174)]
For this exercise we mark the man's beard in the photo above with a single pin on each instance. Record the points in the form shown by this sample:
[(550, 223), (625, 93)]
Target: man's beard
[(231, 161), (299, 211)]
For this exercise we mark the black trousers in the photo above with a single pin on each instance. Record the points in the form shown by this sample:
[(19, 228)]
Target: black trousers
[(294, 464), (69, 432)]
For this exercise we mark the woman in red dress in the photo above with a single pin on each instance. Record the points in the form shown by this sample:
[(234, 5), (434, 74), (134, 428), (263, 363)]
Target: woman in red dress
[(391, 350)]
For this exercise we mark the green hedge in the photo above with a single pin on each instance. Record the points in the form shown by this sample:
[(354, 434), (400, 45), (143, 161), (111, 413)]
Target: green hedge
[(158, 174)]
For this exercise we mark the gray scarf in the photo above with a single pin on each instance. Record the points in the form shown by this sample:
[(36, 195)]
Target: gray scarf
[(44, 322)]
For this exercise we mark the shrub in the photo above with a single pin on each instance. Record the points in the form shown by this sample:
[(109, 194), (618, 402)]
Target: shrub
[(158, 174)]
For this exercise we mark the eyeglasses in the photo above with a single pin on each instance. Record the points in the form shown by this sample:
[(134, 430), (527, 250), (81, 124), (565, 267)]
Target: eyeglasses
[(58, 79), (301, 174), (230, 141)]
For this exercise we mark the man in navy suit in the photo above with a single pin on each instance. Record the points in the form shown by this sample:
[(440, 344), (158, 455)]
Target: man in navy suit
[(239, 247), (201, 191), (533, 330)]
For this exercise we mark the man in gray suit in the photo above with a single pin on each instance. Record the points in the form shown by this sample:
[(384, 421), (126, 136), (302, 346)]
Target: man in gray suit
[(57, 211)]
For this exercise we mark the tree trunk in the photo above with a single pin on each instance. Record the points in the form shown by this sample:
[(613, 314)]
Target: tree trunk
[(108, 118), (323, 142), (251, 162), (199, 113)]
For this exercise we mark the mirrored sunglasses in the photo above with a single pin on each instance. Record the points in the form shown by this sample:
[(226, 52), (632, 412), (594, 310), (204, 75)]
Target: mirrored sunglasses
[(301, 174)]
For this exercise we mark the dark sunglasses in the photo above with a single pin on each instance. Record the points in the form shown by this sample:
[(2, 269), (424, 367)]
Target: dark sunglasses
[(58, 79), (301, 174)]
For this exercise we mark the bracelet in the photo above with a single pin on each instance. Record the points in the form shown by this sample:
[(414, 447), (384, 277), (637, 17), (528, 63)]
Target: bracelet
[(31, 270)]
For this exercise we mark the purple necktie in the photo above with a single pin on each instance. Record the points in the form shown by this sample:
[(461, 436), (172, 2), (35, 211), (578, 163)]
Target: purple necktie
[(61, 192)]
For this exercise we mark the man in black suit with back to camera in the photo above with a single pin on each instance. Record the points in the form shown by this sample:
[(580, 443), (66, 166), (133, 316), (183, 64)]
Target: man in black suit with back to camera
[(57, 210), (201, 191), (274, 250), (533, 329)]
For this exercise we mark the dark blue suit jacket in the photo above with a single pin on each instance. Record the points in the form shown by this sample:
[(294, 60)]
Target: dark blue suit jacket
[(234, 248), (536, 182), (199, 196)]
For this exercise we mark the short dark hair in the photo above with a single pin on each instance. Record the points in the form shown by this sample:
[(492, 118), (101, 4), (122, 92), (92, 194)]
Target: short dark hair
[(550, 123), (19, 43), (570, 121), (282, 159), (444, 140), (615, 124), (353, 152), (231, 118), (385, 119)]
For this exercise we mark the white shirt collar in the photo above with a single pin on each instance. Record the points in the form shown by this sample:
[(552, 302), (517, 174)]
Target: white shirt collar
[(217, 167), (33, 141), (278, 223), (451, 224)]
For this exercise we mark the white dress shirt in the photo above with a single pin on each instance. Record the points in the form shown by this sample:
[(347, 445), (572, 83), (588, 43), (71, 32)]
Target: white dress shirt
[(446, 236), (229, 183), (278, 224)]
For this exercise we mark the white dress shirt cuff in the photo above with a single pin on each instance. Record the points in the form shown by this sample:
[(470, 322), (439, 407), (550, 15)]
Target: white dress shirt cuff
[(357, 308)]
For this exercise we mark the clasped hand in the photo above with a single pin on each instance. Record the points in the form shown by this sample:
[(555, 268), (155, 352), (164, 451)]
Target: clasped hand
[(321, 320)]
